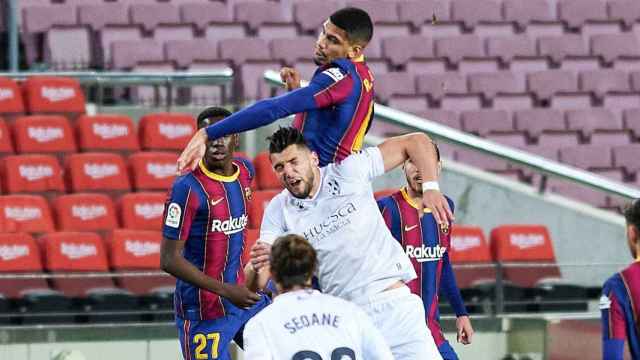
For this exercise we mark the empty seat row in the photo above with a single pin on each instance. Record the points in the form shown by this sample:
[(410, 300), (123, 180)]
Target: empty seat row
[(41, 95)]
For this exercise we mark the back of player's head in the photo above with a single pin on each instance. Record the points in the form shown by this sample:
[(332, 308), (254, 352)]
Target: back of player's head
[(285, 137), (214, 112), (632, 214), (293, 261), (355, 22)]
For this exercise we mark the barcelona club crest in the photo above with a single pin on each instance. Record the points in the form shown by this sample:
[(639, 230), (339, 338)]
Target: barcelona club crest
[(444, 228), (248, 194)]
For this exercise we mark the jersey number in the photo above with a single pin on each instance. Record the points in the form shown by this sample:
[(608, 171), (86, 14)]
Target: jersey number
[(341, 353), (201, 341)]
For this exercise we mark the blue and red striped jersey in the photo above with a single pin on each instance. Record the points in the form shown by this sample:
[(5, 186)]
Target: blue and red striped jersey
[(620, 310), (209, 212), (335, 110), (427, 246)]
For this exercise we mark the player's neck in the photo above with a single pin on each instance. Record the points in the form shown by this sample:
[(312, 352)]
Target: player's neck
[(294, 288), (315, 186), (414, 195), (224, 168)]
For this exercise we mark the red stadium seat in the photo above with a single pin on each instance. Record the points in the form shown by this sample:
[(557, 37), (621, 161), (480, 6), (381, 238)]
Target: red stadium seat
[(96, 172), (107, 133), (524, 244), (25, 213), (252, 237), (261, 199), (76, 252), (19, 253), (46, 94), (43, 134), (6, 144), (11, 102), (265, 176), (469, 246), (85, 212), (135, 250), (31, 173), (142, 211), (153, 170), (164, 131)]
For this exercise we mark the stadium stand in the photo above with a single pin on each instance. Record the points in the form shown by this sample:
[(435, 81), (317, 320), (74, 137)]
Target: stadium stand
[(85, 212)]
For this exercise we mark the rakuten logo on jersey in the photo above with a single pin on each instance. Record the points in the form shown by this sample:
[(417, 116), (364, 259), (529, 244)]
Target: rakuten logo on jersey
[(33, 173), (6, 94), (425, 253), (110, 131), (161, 171), (148, 211), (230, 226), (22, 213), (140, 248), (464, 243), (88, 212), (12, 252), (526, 241), (55, 94), (100, 171), (78, 251), (45, 134), (174, 131)]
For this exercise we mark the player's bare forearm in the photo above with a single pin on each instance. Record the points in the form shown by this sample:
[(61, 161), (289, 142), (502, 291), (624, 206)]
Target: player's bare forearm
[(256, 281), (414, 146)]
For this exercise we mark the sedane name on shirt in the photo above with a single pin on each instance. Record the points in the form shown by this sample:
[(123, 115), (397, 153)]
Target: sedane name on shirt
[(304, 321)]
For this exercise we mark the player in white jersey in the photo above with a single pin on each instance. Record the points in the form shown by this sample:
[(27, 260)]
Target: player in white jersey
[(302, 323), (334, 209)]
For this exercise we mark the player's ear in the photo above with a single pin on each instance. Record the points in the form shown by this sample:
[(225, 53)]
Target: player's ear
[(355, 51), (314, 158)]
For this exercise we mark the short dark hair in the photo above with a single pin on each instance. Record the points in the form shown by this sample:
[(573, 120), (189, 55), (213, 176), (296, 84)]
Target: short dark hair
[(435, 146), (355, 22), (293, 261), (212, 112), (285, 137), (632, 213)]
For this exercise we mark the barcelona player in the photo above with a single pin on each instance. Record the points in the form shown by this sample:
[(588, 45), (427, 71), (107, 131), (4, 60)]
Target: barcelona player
[(335, 110), (620, 301), (427, 246), (204, 236)]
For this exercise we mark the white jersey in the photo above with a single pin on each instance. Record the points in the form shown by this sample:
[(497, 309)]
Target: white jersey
[(306, 324), (357, 255)]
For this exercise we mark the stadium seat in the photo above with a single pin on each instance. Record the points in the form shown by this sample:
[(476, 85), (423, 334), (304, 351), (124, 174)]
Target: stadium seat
[(558, 48), (142, 210), (469, 246), (6, 143), (482, 161), (97, 16), (101, 172), (436, 86), (25, 213), (11, 102), (589, 121), (546, 84), (577, 12), (31, 174), (68, 48), (601, 82), (265, 176), (107, 133), (443, 117), (126, 54), (110, 35), (261, 199), (624, 11), (611, 47), (398, 50), (85, 212), (626, 157), (485, 121), (587, 157), (256, 14), (291, 50), (185, 52), (632, 121), (470, 14), (59, 95), (491, 84), (150, 15), (456, 48), (524, 12), (43, 134), (534, 121), (166, 131), (309, 15), (153, 170), (394, 83), (420, 12), (507, 48), (136, 250), (202, 14), (251, 59)]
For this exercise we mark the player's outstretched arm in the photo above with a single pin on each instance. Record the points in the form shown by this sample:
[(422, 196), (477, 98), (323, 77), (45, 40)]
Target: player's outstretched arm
[(452, 292), (172, 261), (419, 148)]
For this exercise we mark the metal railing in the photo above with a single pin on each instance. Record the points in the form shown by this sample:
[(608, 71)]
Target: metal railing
[(512, 155)]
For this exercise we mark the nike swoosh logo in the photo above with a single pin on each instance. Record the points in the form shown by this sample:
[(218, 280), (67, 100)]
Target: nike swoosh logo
[(216, 202), (409, 228)]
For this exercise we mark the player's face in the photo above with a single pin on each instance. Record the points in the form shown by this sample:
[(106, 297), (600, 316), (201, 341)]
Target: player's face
[(332, 44), (294, 167), (219, 151), (414, 181)]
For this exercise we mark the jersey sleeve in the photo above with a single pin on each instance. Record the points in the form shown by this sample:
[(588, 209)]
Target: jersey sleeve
[(363, 166), (613, 324), (327, 88), (179, 211), (255, 342), (450, 287), (272, 221), (373, 343)]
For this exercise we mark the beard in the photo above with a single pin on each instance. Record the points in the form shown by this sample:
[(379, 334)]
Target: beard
[(303, 189)]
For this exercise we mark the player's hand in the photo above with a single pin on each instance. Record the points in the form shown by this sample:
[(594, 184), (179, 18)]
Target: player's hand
[(434, 200), (260, 253), (465, 330), (290, 77), (239, 295), (193, 153)]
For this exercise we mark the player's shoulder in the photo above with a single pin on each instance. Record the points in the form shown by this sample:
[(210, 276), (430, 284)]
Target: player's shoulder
[(612, 283), (245, 166), (183, 182), (388, 200)]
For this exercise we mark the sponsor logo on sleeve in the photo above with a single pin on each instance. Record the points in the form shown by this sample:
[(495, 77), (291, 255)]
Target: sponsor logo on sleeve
[(334, 73), (174, 212), (605, 302)]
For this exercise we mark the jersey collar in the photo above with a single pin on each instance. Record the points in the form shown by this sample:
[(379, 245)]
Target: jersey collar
[(218, 177), (410, 201), (359, 59), (302, 293)]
